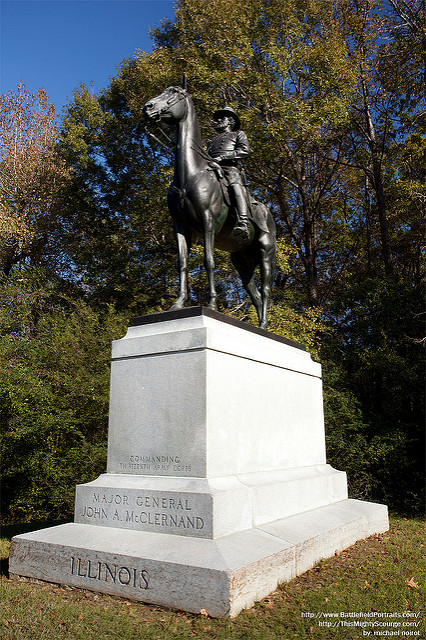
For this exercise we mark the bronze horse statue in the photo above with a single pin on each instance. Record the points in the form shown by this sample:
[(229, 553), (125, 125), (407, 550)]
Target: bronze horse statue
[(197, 206)]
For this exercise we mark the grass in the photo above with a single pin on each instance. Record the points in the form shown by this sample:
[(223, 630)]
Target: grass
[(383, 574)]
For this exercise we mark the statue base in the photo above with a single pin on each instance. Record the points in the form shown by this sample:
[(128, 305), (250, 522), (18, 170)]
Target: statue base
[(221, 576), (217, 487)]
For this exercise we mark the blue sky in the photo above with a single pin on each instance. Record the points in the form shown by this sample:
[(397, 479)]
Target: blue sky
[(56, 44)]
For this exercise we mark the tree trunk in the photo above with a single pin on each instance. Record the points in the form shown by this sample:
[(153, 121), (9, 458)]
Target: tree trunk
[(377, 179)]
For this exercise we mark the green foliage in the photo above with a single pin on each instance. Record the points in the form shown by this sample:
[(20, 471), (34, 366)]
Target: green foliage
[(115, 224), (305, 327), (54, 381), (346, 434), (378, 342)]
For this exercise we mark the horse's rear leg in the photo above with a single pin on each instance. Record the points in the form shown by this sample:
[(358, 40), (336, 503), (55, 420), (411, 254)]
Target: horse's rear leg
[(267, 264), (245, 263), (183, 239), (209, 238)]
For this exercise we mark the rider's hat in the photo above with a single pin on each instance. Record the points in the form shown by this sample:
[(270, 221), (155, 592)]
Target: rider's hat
[(228, 111)]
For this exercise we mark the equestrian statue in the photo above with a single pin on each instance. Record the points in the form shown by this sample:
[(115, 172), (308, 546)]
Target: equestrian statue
[(209, 198)]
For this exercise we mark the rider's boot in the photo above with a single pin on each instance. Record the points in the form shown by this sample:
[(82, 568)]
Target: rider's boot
[(241, 229)]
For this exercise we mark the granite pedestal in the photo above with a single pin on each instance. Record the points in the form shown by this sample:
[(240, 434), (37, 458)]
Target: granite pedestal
[(217, 487)]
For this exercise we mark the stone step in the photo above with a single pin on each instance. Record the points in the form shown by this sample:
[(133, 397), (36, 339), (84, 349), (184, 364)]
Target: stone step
[(221, 576), (206, 507)]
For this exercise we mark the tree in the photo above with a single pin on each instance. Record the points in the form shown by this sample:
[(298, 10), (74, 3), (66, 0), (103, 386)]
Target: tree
[(31, 174), (115, 222), (283, 66), (274, 65), (371, 118), (386, 46), (403, 73), (377, 344), (54, 388), (337, 152)]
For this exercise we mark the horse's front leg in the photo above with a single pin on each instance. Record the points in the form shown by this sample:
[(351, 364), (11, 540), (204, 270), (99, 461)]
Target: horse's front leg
[(209, 237), (183, 240)]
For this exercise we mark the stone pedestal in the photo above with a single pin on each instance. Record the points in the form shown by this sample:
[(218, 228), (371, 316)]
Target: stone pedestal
[(217, 486)]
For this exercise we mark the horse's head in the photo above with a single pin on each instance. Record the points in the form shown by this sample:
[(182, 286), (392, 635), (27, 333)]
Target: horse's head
[(170, 106)]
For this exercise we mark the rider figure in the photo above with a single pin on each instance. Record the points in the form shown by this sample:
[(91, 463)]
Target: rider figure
[(226, 149)]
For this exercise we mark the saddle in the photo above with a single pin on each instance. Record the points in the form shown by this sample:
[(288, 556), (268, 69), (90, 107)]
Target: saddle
[(257, 214)]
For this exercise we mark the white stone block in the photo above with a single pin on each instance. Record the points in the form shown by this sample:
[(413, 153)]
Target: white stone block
[(200, 507), (204, 398), (205, 507), (283, 493)]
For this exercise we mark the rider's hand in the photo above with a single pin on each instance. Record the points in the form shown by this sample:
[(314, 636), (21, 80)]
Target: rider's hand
[(217, 168)]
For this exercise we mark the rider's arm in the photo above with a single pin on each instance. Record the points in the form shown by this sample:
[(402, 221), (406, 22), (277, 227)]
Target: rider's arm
[(241, 149)]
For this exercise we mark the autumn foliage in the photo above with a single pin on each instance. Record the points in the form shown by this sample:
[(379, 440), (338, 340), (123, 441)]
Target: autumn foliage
[(31, 173)]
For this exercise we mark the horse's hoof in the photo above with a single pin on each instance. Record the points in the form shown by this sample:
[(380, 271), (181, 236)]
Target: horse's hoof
[(177, 306), (212, 305)]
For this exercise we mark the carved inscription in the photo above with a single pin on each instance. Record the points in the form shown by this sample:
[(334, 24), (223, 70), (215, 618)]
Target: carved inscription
[(165, 520), (147, 511), (164, 463), (104, 572)]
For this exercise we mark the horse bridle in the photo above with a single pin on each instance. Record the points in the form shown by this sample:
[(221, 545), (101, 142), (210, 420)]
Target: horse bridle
[(171, 102), (182, 95)]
